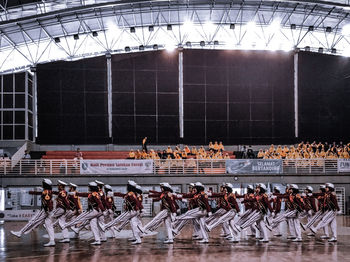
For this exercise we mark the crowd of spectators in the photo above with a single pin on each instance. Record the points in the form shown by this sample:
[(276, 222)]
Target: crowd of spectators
[(214, 151), (307, 151)]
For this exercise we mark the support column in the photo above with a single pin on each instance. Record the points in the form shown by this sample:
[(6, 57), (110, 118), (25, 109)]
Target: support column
[(35, 105), (109, 94), (181, 95), (296, 112)]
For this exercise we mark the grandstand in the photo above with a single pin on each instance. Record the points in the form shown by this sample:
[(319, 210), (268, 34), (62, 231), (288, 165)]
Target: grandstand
[(225, 91)]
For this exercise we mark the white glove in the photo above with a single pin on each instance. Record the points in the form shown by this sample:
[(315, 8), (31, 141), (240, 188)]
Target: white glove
[(273, 197), (71, 193), (273, 214), (110, 194), (210, 214), (238, 215), (303, 195), (173, 217), (105, 213), (39, 188), (184, 200)]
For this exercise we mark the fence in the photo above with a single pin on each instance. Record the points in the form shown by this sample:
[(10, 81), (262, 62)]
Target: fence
[(174, 167)]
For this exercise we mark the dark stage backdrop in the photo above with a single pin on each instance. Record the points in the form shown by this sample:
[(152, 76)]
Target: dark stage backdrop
[(72, 102), (324, 95), (238, 97), (146, 97)]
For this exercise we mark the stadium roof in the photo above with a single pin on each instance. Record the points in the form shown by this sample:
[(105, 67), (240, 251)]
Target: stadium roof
[(38, 31)]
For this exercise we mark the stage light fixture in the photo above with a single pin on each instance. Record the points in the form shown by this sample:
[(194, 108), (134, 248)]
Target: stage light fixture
[(151, 28), (132, 30), (216, 42), (329, 29), (307, 48), (141, 48), (293, 26), (202, 43), (311, 28), (320, 50), (94, 34), (57, 40), (232, 26), (155, 47), (333, 51), (127, 49), (188, 44), (76, 37), (169, 27)]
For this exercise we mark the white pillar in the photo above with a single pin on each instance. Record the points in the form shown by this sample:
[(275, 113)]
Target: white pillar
[(181, 94), (35, 105), (109, 93), (296, 112)]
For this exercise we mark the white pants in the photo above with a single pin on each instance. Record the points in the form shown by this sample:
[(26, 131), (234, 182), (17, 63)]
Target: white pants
[(199, 215), (225, 218), (162, 216), (329, 219), (85, 217), (60, 215), (122, 218), (41, 217)]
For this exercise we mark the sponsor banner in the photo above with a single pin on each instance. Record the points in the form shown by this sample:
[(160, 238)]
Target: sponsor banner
[(116, 166), (343, 165), (17, 215), (254, 166)]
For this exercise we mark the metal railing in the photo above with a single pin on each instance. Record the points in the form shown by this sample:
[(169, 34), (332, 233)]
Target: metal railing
[(174, 167)]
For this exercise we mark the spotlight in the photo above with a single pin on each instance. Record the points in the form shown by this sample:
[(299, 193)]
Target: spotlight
[(32, 69), (307, 48), (141, 48), (151, 28), (202, 43), (293, 26), (57, 40), (311, 28), (132, 30), (320, 50), (232, 26), (333, 51), (216, 42), (94, 34), (76, 37), (188, 44), (127, 49), (329, 29), (169, 27), (155, 47)]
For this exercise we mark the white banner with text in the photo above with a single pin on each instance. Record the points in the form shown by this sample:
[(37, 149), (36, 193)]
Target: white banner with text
[(116, 167)]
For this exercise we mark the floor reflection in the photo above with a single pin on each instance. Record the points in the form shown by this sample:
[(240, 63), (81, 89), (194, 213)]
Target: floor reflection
[(183, 250)]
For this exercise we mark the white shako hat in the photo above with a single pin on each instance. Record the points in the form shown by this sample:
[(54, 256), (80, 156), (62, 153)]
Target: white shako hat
[(250, 187), (229, 185), (322, 186), (192, 184), (132, 183), (294, 186), (199, 184), (99, 183), (93, 184), (47, 182), (330, 185), (262, 186), (60, 182), (108, 187), (310, 188), (73, 185), (277, 188)]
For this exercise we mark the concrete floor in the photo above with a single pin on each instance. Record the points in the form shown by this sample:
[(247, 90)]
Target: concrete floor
[(29, 248)]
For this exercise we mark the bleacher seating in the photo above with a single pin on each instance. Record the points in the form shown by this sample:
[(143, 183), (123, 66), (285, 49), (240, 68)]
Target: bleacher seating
[(86, 154)]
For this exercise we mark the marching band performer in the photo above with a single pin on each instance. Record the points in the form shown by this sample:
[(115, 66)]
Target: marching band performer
[(131, 207), (167, 213), (331, 208), (43, 216), (95, 210)]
